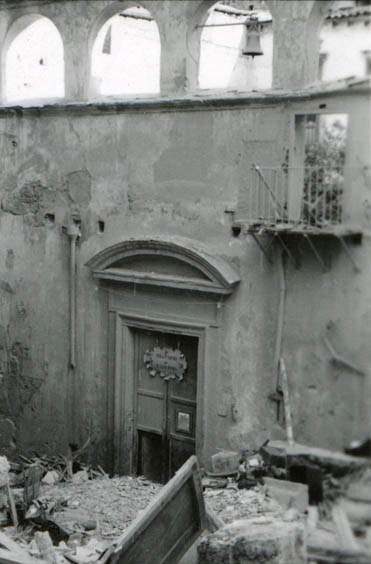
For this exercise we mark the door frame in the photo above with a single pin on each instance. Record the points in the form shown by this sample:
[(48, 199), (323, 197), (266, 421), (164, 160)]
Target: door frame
[(124, 436)]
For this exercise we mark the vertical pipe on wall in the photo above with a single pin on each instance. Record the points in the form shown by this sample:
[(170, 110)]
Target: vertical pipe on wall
[(73, 233), (281, 314)]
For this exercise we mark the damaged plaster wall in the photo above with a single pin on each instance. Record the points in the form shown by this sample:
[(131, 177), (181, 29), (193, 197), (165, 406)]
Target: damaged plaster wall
[(162, 172)]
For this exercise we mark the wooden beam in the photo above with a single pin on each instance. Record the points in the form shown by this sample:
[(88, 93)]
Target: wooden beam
[(171, 523)]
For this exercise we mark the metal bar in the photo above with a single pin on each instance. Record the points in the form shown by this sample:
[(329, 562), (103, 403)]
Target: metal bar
[(232, 11), (340, 361), (286, 403), (73, 239), (221, 24), (285, 247), (261, 248), (316, 253), (137, 17), (349, 254), (73, 233), (277, 204), (324, 193)]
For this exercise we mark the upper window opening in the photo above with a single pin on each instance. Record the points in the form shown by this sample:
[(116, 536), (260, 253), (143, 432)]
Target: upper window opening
[(34, 60), (126, 55), (345, 39), (222, 62), (325, 139)]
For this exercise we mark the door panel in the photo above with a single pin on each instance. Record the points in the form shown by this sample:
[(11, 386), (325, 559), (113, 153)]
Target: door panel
[(150, 416), (165, 409)]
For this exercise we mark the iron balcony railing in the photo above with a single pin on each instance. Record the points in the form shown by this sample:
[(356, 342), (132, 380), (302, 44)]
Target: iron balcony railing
[(309, 196)]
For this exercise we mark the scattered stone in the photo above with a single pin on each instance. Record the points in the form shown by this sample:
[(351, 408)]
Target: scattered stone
[(225, 462), (231, 505), (52, 477), (288, 494), (89, 525), (269, 541), (360, 490), (358, 512), (214, 483), (81, 476)]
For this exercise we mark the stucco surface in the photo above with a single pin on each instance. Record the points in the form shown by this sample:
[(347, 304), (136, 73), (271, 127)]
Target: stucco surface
[(161, 175), (171, 171)]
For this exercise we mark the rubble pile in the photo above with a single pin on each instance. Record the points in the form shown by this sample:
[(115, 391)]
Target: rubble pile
[(327, 493), (231, 504), (74, 516)]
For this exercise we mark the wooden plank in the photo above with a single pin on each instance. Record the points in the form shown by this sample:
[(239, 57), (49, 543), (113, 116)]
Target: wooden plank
[(32, 480), (12, 507), (169, 525), (343, 528)]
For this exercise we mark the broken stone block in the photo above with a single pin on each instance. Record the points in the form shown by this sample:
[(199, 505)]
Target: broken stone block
[(81, 476), (271, 541), (360, 490), (52, 477), (358, 512), (288, 494), (89, 524), (225, 462), (217, 483)]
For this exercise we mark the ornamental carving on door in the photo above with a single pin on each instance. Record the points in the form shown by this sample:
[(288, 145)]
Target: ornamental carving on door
[(169, 364)]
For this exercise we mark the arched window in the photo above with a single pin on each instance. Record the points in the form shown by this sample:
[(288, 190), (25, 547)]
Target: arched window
[(126, 55), (34, 60), (222, 64)]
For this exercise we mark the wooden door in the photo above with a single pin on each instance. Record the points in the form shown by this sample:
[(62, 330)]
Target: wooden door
[(165, 373)]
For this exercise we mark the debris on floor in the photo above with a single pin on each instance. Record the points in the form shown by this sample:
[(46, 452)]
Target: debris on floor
[(56, 511), (328, 493), (70, 519)]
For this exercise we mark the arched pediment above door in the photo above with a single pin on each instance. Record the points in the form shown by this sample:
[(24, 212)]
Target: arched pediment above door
[(152, 262)]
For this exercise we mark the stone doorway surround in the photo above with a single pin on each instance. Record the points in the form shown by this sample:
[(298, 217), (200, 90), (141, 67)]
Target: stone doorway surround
[(166, 286)]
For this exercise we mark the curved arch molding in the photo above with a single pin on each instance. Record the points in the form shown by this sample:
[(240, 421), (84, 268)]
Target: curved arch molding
[(185, 266)]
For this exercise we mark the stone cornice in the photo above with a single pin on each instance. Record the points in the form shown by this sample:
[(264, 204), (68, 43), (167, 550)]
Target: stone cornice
[(192, 103)]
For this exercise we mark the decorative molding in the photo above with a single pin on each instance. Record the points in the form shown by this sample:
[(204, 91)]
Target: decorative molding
[(216, 275)]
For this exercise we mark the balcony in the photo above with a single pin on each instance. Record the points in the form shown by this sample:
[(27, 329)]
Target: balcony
[(306, 199)]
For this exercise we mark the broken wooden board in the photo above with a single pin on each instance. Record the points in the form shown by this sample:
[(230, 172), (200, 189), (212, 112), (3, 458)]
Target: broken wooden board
[(169, 525)]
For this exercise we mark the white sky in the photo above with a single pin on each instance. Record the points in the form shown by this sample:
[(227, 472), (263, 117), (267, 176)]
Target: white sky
[(35, 67)]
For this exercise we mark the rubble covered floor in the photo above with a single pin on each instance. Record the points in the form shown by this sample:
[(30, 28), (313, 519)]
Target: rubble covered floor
[(94, 512), (232, 504)]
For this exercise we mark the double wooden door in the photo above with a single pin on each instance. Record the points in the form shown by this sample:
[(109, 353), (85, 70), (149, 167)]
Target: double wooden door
[(165, 394)]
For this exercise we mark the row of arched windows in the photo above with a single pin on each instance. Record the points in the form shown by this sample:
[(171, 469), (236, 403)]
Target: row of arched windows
[(126, 54), (125, 58)]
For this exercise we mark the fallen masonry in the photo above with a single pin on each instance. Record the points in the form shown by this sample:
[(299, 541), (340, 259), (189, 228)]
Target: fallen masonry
[(248, 509)]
